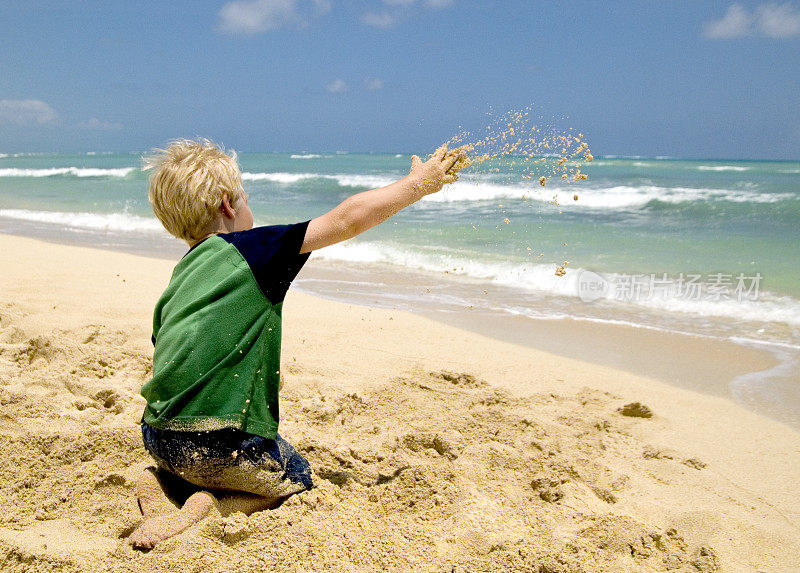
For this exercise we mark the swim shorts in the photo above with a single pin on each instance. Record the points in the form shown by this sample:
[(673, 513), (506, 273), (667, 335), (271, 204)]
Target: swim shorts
[(230, 460)]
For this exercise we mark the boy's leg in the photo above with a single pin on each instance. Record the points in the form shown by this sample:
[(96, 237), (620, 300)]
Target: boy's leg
[(156, 529), (245, 503), (163, 519), (150, 494)]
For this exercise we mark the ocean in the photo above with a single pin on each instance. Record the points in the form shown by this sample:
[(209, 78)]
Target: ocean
[(709, 248)]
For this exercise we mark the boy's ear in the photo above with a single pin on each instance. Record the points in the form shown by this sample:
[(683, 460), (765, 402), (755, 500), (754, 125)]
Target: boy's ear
[(225, 207)]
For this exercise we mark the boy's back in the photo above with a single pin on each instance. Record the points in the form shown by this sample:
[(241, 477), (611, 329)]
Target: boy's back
[(216, 331)]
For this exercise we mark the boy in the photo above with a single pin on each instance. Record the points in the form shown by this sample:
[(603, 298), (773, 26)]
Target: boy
[(212, 404)]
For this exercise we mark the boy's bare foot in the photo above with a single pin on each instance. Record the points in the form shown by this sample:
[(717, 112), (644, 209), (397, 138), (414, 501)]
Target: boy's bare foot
[(156, 529), (150, 495)]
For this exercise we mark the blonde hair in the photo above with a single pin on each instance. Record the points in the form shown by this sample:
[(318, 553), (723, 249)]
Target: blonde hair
[(188, 182)]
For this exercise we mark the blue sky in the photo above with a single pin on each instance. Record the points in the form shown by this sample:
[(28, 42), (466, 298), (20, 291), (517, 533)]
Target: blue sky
[(688, 79)]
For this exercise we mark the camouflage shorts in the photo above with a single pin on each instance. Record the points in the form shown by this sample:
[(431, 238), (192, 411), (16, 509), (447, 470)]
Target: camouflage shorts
[(230, 460)]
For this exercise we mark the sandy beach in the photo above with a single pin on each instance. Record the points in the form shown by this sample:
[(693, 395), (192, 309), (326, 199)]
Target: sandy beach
[(435, 448)]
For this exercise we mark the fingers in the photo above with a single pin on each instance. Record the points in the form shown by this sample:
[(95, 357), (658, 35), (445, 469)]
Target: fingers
[(450, 161), (439, 160)]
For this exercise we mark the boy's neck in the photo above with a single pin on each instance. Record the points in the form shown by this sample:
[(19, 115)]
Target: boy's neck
[(216, 226), (228, 219)]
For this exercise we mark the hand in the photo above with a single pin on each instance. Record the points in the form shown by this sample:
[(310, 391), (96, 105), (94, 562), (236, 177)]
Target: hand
[(432, 174)]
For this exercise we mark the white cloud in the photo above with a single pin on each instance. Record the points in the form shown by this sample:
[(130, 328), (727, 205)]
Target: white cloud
[(770, 20), (428, 3), (251, 17), (373, 84), (397, 8), (778, 21), (101, 125), (26, 111), (736, 23), (337, 86), (379, 19)]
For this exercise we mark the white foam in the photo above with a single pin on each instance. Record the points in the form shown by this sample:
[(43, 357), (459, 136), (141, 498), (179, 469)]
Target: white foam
[(73, 171), (541, 279), (767, 309), (344, 180), (723, 168), (277, 177), (358, 180), (759, 343), (305, 156), (122, 222), (790, 171), (549, 315), (616, 197), (20, 154), (629, 196), (475, 191), (486, 187)]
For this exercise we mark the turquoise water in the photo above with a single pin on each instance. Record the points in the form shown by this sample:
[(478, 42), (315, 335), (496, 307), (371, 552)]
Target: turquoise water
[(730, 224)]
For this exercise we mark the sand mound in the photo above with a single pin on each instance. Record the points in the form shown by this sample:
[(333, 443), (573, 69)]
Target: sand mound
[(432, 471)]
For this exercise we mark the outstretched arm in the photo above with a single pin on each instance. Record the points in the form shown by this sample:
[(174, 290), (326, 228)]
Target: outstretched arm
[(364, 210)]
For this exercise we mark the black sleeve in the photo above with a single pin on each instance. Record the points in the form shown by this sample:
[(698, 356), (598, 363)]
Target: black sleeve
[(273, 254)]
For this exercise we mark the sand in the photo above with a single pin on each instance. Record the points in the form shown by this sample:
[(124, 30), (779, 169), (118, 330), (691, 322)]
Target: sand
[(515, 138), (436, 449), (461, 156)]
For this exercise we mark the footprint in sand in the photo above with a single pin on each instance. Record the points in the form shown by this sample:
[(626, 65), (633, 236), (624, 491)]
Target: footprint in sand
[(35, 351), (461, 379), (635, 410)]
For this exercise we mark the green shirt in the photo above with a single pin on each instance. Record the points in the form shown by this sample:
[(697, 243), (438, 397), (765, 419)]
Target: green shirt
[(217, 333)]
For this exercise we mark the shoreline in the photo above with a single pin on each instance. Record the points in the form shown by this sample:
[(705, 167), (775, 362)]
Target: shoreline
[(499, 456), (735, 370)]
